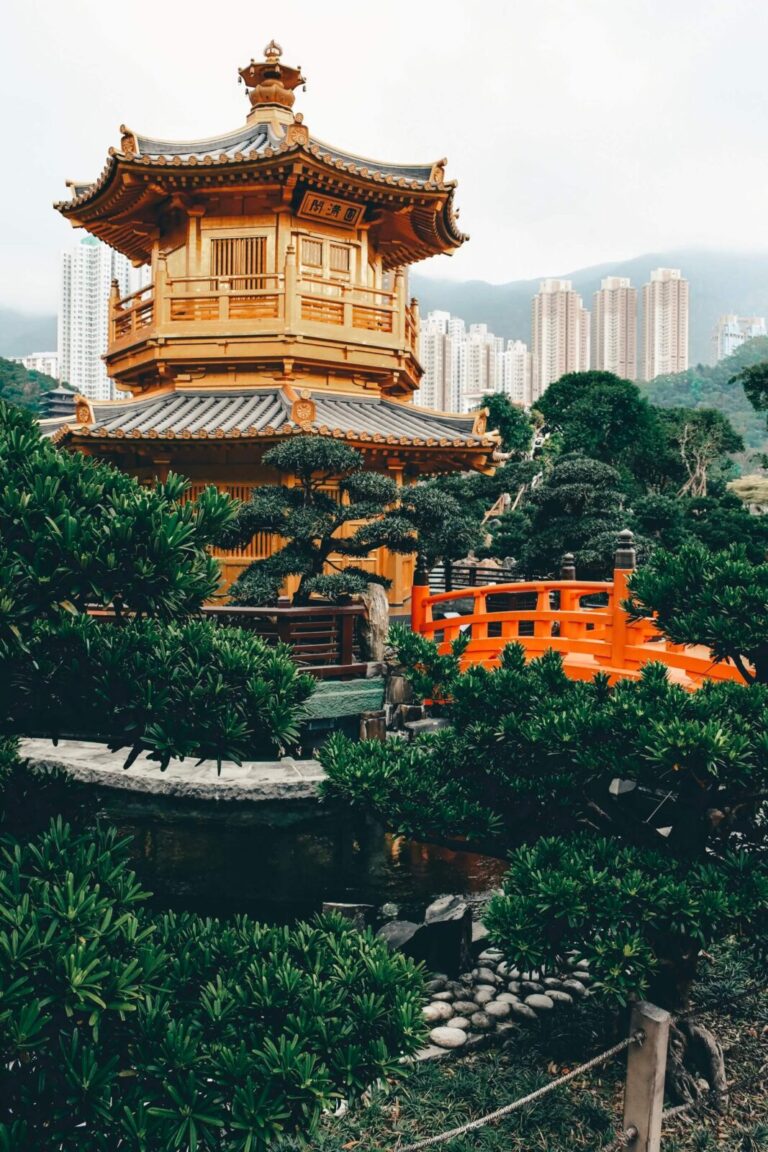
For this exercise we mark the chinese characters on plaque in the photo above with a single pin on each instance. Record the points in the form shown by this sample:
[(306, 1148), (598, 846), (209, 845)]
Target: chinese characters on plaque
[(316, 207)]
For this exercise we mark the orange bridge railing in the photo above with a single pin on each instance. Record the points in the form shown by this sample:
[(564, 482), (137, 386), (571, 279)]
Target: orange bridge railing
[(581, 619)]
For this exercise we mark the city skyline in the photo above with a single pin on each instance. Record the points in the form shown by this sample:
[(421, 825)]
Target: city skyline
[(535, 195)]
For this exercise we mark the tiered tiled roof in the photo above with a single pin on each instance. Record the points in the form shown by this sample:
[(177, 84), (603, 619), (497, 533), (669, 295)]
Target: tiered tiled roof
[(266, 412)]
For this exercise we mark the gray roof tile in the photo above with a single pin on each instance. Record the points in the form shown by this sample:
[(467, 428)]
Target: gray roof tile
[(251, 411)]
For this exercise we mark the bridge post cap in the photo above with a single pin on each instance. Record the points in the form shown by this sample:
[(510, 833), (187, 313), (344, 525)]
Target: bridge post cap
[(421, 572), (625, 555), (568, 566)]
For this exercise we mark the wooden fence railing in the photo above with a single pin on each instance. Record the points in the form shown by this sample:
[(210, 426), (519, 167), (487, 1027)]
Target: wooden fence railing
[(583, 620), (324, 637)]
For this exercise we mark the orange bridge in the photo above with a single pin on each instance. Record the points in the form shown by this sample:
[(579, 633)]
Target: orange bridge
[(581, 619)]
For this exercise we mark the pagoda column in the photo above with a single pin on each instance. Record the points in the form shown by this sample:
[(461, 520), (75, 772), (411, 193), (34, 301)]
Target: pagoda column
[(291, 301), (398, 321)]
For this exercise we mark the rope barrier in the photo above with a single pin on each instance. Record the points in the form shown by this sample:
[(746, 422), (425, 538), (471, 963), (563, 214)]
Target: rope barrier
[(532, 1097), (709, 1101)]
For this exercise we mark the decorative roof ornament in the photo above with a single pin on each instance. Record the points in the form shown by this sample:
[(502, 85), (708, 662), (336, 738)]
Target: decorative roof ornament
[(270, 83)]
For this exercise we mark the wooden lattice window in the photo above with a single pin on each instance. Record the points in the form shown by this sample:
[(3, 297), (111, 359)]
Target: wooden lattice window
[(244, 257), (312, 253), (339, 258)]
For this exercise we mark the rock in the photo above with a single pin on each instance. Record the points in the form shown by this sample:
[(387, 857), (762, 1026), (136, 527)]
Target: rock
[(448, 1037), (425, 727), (389, 911), (552, 982), (482, 1022), (465, 1007), (440, 976), (490, 956), (559, 997), (481, 986), (398, 934), (523, 1011), (515, 974), (540, 1002), (479, 934), (456, 987), (585, 977), (485, 976), (515, 987), (448, 997), (582, 965), (574, 987), (498, 1009), (532, 987), (484, 996), (505, 1028), (435, 986), (458, 1022), (399, 690), (466, 978), (447, 934), (508, 998), (502, 969), (437, 1011)]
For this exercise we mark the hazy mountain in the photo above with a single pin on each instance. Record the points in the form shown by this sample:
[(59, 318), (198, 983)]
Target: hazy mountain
[(720, 282), (22, 333)]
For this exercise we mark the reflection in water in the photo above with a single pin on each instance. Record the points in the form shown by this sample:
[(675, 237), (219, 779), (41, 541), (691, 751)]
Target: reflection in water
[(281, 861)]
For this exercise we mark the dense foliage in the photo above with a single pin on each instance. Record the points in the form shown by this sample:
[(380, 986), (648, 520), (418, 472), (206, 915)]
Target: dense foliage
[(169, 1033), (645, 782), (20, 386), (334, 513), (714, 597), (76, 532), (608, 459)]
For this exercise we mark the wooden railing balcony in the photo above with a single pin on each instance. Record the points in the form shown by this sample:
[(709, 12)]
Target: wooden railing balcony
[(308, 305)]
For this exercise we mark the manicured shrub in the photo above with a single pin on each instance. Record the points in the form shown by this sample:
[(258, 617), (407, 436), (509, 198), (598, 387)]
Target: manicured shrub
[(122, 1030)]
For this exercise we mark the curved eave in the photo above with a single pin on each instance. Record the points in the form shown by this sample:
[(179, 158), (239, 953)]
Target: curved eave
[(481, 446), (107, 207)]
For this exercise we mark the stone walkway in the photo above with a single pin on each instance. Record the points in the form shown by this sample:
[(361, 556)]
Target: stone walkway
[(254, 780)]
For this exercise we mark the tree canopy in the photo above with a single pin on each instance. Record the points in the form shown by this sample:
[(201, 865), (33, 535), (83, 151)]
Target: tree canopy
[(19, 385)]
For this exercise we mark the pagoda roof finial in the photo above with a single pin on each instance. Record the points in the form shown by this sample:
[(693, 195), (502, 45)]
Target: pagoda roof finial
[(270, 83)]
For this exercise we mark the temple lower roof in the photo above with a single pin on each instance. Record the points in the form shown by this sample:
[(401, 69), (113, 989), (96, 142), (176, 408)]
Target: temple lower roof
[(260, 413)]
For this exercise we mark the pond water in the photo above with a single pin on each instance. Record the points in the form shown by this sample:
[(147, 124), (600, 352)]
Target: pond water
[(280, 861)]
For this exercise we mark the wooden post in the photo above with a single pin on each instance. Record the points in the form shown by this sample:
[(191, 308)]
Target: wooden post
[(624, 563), (420, 611), (646, 1067)]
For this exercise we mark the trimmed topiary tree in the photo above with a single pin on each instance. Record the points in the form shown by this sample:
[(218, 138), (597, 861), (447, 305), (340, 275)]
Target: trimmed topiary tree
[(632, 816), (75, 532)]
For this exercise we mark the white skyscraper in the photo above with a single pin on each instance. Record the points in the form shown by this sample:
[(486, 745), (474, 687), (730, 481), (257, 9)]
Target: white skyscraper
[(560, 325), (733, 331), (87, 272), (614, 331), (665, 323), (516, 372), (442, 356), (45, 362)]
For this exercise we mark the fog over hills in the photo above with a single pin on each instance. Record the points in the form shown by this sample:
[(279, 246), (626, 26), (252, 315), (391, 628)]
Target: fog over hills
[(720, 282)]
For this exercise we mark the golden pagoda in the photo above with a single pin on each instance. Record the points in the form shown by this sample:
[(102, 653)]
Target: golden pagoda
[(278, 305)]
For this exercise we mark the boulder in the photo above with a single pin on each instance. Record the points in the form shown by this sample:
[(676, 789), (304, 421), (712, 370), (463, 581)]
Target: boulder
[(481, 1022), (484, 996), (437, 1011), (574, 988), (558, 996), (447, 996), (540, 1002), (458, 1022), (448, 934), (465, 1007), (448, 1037), (498, 1009), (508, 998), (523, 1011)]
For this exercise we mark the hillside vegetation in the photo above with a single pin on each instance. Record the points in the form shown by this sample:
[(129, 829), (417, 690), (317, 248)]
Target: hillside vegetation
[(708, 386), (21, 387)]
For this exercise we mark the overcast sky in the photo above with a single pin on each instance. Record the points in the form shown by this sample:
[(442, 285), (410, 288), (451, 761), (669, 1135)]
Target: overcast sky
[(580, 131)]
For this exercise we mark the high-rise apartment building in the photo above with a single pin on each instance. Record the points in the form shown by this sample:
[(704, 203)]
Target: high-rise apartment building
[(516, 372), (442, 353), (462, 365), (87, 272), (665, 323), (45, 362), (560, 329), (733, 331), (614, 327)]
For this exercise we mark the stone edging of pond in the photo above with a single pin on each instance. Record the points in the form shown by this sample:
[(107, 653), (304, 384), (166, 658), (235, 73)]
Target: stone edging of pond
[(253, 780), (487, 1005)]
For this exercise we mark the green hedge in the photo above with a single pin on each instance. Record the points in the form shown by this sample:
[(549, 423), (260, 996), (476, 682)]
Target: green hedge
[(120, 1030)]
